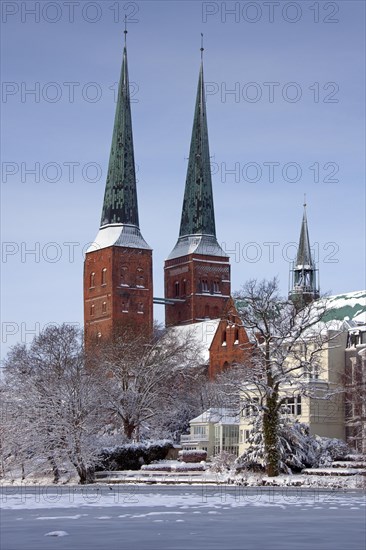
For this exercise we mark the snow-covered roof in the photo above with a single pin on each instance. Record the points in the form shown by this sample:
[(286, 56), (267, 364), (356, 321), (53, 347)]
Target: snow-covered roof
[(202, 333), (206, 245), (119, 235), (343, 312), (217, 416), (349, 306)]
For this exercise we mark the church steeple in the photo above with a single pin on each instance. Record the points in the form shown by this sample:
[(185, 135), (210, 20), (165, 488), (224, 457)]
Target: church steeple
[(197, 271), (197, 233), (118, 286), (119, 223), (304, 287), (120, 198), (198, 217)]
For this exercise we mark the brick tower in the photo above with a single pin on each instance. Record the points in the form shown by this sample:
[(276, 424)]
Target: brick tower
[(304, 288), (197, 271), (118, 265)]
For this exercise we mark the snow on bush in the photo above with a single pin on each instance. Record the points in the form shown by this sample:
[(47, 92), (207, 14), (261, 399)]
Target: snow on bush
[(298, 449), (328, 450), (173, 467), (195, 455), (222, 462), (133, 455)]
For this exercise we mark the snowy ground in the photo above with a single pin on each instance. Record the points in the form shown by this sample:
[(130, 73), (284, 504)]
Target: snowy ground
[(161, 517)]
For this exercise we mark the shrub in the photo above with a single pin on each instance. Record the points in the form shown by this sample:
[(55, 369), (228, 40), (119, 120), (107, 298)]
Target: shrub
[(195, 455), (133, 455)]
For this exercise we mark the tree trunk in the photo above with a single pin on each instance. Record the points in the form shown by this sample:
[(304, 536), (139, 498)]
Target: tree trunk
[(270, 437), (128, 428), (55, 470), (86, 474)]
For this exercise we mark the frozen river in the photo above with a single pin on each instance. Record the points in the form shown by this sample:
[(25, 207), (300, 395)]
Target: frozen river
[(181, 517)]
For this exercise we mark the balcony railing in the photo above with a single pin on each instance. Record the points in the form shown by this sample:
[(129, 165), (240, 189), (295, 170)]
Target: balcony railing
[(193, 438)]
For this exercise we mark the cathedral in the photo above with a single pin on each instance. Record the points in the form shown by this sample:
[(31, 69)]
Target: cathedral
[(118, 285)]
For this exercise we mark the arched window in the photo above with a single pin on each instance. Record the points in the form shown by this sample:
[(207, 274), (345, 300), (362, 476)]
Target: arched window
[(123, 275), (216, 287), (140, 279), (104, 276), (104, 307), (203, 285), (223, 338), (124, 306), (92, 280), (184, 287), (236, 338), (140, 307), (176, 289), (92, 309)]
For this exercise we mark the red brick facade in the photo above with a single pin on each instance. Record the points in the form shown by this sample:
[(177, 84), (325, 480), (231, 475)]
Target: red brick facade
[(203, 285), (230, 345), (117, 291)]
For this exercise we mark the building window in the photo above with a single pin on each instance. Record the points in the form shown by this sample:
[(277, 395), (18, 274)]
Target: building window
[(104, 307), (199, 431), (292, 406), (312, 371), (244, 436), (223, 338), (140, 279), (140, 307), (216, 287), (236, 338), (123, 276), (204, 285), (92, 280), (251, 408), (104, 276), (92, 309), (176, 289), (124, 307), (184, 287)]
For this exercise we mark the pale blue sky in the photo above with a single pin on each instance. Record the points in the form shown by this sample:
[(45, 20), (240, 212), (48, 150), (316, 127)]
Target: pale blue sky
[(163, 52)]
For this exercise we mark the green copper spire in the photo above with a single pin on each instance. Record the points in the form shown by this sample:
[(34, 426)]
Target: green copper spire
[(120, 199), (198, 216), (303, 258), (304, 287)]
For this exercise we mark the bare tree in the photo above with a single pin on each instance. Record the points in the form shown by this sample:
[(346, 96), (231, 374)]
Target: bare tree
[(52, 402), (140, 379), (286, 357)]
